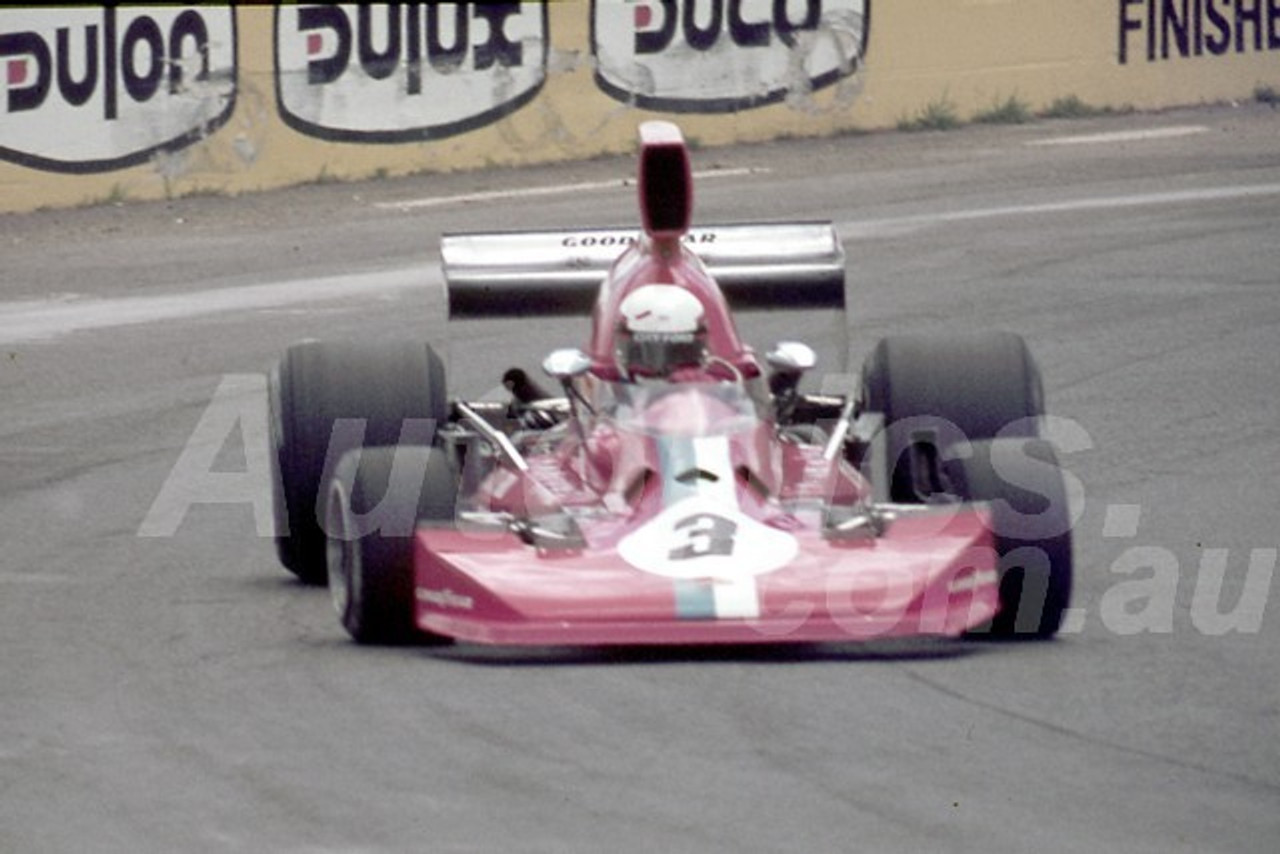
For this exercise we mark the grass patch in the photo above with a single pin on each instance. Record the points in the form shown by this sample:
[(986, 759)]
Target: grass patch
[(1070, 107), (209, 192), (1266, 95), (116, 196), (1010, 111), (936, 115), (324, 176)]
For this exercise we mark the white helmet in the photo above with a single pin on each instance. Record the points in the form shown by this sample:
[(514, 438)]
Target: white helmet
[(662, 328)]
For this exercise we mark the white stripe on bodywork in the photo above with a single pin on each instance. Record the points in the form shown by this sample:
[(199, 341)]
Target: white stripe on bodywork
[(712, 455), (737, 596)]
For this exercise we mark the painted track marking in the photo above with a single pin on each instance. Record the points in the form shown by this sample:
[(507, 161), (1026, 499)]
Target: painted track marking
[(35, 320), (863, 229), (1123, 136), (556, 190)]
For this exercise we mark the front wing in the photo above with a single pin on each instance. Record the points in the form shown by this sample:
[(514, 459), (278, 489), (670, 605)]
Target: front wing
[(930, 574)]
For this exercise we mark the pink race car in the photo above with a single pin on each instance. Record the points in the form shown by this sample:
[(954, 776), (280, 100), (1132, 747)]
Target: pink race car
[(675, 488)]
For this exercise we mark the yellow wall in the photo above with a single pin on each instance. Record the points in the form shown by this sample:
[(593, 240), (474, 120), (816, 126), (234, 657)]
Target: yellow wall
[(968, 53), (977, 52)]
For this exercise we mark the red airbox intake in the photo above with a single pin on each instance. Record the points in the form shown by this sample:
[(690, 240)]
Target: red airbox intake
[(666, 181)]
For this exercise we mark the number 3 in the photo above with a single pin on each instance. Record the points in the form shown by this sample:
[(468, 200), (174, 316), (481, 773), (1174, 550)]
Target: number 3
[(707, 534)]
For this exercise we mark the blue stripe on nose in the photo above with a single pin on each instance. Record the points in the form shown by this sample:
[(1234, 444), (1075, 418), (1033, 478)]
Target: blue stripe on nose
[(695, 599)]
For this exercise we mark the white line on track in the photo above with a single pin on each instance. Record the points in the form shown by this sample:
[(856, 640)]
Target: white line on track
[(863, 229), (556, 190), (1123, 136), (35, 578), (36, 320)]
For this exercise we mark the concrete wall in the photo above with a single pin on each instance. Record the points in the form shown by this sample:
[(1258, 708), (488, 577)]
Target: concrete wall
[(106, 104)]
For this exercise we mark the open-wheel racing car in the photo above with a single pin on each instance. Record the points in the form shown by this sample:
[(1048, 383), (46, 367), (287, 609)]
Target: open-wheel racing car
[(675, 488)]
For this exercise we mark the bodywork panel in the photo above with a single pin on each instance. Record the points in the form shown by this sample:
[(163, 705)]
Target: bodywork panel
[(930, 574)]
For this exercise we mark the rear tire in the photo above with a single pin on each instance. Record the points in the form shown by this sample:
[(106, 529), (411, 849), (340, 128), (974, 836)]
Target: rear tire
[(1023, 482), (317, 383), (935, 392), (375, 502)]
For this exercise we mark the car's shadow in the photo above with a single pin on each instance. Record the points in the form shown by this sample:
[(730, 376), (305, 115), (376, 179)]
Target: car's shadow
[(875, 651)]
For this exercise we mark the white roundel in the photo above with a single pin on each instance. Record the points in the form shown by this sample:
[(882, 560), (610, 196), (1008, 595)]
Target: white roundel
[(661, 309), (702, 538)]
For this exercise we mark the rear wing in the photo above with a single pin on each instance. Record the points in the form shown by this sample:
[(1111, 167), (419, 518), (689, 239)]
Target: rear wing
[(758, 266)]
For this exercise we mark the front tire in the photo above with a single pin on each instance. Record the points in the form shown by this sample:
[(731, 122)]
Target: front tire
[(375, 502), (1031, 523), (936, 391), (395, 390)]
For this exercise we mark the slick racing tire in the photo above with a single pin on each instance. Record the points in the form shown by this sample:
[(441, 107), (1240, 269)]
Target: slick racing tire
[(936, 391), (375, 502), (1031, 522), (394, 390)]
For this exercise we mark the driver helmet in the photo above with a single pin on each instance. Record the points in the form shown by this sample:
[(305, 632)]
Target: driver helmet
[(662, 328)]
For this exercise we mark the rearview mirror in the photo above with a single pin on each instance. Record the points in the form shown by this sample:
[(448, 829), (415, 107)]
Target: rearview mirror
[(566, 364), (791, 357)]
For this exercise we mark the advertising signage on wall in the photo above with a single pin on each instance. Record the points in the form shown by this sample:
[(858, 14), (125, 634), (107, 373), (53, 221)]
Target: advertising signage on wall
[(1171, 29), (86, 89), (717, 56), (404, 72)]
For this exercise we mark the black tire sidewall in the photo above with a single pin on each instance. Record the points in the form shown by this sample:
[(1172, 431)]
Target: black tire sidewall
[(388, 491), (1022, 481), (316, 384), (957, 388)]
